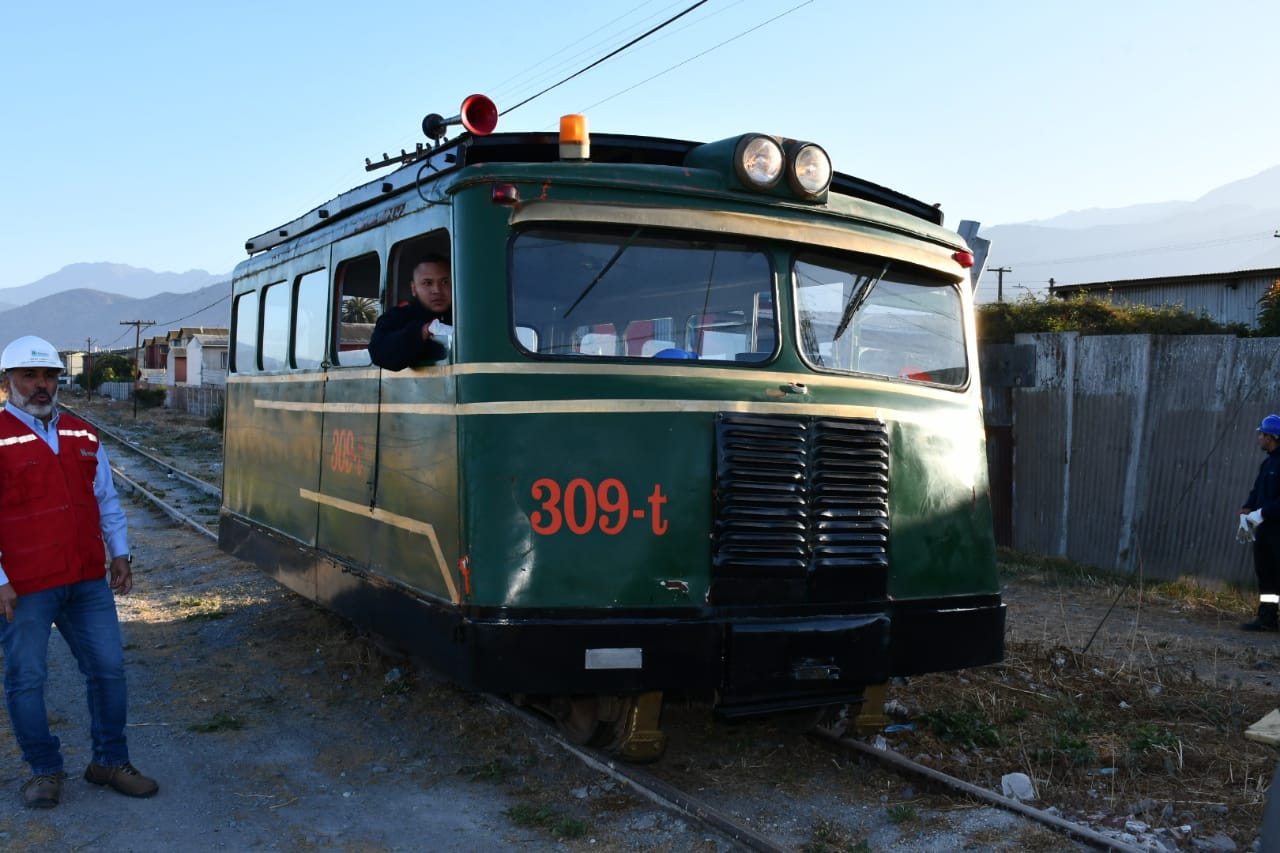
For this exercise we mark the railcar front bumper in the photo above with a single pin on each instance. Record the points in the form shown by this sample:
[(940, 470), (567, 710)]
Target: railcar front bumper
[(752, 663)]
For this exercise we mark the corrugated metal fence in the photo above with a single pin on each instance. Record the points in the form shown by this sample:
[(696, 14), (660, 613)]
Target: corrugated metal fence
[(1136, 451)]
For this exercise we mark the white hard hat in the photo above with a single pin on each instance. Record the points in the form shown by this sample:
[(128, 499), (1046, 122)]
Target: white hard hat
[(30, 351)]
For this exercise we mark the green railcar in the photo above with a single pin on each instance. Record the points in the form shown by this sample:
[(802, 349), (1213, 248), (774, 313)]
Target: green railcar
[(710, 422)]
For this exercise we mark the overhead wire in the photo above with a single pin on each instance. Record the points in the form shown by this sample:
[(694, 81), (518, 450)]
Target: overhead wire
[(166, 323), (696, 56), (607, 56), (553, 65)]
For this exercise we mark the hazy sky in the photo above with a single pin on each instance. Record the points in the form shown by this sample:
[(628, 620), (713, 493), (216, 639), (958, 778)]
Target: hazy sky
[(162, 135)]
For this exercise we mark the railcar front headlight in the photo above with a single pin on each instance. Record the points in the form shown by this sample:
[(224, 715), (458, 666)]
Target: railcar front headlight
[(810, 172), (758, 161)]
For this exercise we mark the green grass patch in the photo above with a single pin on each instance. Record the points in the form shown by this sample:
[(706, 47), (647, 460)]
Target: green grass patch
[(963, 728), (901, 813), (219, 722), (829, 837), (541, 817), (496, 771), (1151, 737)]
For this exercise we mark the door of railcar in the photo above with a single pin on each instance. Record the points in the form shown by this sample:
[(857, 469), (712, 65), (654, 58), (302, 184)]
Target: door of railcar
[(416, 465), (347, 451)]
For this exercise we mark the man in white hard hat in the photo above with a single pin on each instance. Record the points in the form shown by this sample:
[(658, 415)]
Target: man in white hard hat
[(1260, 516), (60, 518)]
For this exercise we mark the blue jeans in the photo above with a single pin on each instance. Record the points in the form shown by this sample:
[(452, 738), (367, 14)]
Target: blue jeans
[(85, 614)]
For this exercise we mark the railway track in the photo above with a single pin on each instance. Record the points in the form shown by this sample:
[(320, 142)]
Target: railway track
[(195, 503), (183, 497)]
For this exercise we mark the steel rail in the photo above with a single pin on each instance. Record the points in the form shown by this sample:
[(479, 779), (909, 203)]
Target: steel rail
[(646, 784), (196, 482), (134, 486), (902, 764)]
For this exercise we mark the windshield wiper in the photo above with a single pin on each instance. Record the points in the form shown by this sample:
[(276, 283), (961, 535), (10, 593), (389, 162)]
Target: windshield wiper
[(856, 301), (609, 265)]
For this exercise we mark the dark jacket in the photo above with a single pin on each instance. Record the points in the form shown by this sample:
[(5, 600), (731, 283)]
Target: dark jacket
[(397, 341), (1265, 494)]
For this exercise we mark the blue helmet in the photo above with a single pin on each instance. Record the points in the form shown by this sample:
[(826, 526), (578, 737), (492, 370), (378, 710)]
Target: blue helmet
[(1271, 425)]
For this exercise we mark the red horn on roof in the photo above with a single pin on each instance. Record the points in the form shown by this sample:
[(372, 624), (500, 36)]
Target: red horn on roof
[(478, 115)]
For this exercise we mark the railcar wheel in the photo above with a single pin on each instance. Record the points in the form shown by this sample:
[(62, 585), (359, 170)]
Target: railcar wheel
[(626, 726), (578, 718)]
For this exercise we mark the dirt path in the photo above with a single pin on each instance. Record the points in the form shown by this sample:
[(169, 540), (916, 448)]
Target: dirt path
[(270, 726)]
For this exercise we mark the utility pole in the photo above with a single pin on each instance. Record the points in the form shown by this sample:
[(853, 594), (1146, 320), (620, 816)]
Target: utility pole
[(137, 344), (1051, 284), (88, 370), (1000, 271)]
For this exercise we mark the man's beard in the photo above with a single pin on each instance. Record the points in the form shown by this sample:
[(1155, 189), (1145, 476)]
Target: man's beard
[(36, 410)]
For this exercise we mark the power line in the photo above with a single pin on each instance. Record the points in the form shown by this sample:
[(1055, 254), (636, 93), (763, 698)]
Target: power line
[(527, 77), (167, 323), (696, 56), (607, 56)]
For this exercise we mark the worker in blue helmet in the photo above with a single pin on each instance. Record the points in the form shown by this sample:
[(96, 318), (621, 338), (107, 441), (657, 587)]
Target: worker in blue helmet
[(1260, 516)]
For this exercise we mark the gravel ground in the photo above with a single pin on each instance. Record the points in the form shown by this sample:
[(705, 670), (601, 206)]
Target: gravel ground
[(272, 725)]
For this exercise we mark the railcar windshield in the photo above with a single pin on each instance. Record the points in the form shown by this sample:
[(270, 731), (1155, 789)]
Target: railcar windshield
[(874, 317), (650, 293), (642, 293)]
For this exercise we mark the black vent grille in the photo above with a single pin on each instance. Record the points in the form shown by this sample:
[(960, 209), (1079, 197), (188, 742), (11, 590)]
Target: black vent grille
[(802, 512)]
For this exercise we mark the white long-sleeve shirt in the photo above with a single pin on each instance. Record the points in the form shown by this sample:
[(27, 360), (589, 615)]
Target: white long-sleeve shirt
[(115, 529)]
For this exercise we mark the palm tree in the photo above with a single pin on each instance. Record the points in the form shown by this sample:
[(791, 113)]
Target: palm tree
[(359, 309)]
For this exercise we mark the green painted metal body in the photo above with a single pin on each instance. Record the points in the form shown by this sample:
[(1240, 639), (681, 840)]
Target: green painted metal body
[(501, 482)]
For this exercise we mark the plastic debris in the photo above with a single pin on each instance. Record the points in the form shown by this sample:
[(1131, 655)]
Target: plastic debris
[(1266, 730), (1018, 786)]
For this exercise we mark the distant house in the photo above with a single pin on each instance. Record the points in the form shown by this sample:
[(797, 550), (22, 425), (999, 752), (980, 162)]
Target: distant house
[(1227, 297), (74, 360), (153, 359), (178, 362), (207, 359)]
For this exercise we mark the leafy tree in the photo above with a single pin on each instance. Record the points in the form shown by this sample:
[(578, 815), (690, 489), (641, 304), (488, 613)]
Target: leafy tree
[(107, 367), (1269, 312), (359, 309)]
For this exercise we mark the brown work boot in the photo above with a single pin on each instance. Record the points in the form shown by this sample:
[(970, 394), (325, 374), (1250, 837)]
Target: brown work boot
[(43, 790), (126, 779)]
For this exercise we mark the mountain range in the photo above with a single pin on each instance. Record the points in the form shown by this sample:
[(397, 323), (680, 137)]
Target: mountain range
[(1231, 228), (81, 306), (1234, 227)]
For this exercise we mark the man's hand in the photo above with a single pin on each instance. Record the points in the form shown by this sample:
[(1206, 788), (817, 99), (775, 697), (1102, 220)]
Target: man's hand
[(8, 601), (121, 575)]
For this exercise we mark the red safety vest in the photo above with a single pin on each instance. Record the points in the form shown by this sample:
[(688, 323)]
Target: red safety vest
[(50, 528)]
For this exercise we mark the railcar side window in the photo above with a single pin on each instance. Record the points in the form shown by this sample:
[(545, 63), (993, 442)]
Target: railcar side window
[(358, 281), (868, 316), (312, 297), (246, 332), (641, 293), (275, 326)]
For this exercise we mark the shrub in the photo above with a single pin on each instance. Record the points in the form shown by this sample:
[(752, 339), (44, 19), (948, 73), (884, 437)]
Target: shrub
[(998, 322), (1269, 312), (149, 398)]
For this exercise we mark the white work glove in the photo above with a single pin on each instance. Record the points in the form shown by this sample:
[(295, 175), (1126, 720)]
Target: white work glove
[(1255, 517), (1244, 533)]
